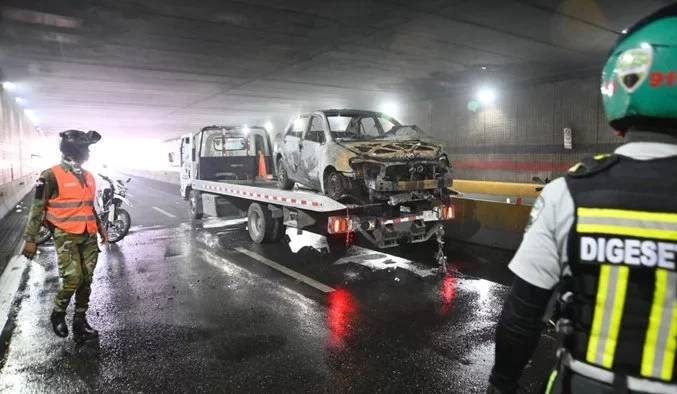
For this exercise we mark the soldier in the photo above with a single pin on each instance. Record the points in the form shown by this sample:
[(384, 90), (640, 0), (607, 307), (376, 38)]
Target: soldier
[(605, 238), (64, 196)]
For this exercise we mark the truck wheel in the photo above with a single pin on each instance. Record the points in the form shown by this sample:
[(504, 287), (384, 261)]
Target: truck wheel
[(336, 185), (337, 245), (259, 223), (283, 181), (195, 204), (277, 231)]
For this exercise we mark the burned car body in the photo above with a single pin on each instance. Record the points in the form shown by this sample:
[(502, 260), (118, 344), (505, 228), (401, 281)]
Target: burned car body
[(361, 156)]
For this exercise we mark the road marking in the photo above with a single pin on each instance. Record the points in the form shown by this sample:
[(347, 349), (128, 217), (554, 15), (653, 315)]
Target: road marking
[(270, 263), (162, 211), (9, 284)]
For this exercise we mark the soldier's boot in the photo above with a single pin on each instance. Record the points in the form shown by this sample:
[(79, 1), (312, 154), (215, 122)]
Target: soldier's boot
[(59, 323), (82, 331)]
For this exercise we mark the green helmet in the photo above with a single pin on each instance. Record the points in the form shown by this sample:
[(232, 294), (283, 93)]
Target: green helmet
[(639, 81)]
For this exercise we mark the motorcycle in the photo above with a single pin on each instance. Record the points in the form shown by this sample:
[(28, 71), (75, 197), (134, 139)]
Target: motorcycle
[(114, 219)]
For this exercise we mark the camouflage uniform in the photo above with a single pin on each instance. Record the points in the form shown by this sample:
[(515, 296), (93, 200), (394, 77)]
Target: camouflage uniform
[(77, 254)]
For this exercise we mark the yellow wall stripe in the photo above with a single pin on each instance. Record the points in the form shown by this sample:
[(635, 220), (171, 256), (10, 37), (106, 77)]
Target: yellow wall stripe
[(654, 323), (598, 316), (616, 316), (623, 214), (627, 230)]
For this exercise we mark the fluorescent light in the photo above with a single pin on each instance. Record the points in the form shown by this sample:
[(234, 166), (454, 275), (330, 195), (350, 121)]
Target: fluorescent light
[(268, 126), (20, 100), (645, 45), (389, 108), (246, 129), (486, 96), (9, 85)]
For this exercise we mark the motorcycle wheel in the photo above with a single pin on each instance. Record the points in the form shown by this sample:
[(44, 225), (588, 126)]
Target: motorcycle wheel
[(120, 227), (44, 235)]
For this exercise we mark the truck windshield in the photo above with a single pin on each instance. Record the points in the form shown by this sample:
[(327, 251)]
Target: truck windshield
[(223, 142)]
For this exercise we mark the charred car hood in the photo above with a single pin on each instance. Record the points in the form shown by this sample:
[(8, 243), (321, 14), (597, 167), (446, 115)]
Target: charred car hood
[(393, 149)]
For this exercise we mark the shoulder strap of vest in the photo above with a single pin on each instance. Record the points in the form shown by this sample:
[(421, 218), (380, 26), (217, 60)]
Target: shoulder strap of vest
[(592, 164)]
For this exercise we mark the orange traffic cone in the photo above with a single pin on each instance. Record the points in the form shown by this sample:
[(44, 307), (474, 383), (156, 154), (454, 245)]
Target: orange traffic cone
[(262, 166)]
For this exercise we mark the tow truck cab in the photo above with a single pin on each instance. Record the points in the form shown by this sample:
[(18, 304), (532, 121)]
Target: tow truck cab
[(223, 153)]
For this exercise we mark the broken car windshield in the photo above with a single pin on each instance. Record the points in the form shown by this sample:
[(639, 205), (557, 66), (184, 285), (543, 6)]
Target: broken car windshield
[(402, 132), (359, 126)]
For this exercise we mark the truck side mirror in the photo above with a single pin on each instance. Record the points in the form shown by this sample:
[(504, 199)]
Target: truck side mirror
[(171, 157)]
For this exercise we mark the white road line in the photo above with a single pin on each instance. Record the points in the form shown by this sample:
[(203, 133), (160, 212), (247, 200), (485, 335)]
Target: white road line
[(162, 211), (270, 263), (9, 284)]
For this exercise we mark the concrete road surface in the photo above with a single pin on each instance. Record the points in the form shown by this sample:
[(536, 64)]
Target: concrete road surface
[(192, 307)]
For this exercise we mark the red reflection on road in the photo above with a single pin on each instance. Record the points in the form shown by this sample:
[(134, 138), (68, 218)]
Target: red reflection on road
[(340, 315), (447, 291)]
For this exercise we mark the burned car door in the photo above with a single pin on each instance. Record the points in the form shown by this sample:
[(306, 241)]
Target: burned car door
[(311, 151), (291, 147)]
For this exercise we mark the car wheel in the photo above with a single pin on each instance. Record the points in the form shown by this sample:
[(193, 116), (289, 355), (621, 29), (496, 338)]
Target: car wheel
[(336, 185), (283, 181)]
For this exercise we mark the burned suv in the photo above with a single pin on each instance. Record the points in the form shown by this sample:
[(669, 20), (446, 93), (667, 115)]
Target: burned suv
[(361, 156)]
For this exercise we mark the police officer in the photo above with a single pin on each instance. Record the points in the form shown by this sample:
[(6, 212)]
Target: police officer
[(64, 196), (604, 238)]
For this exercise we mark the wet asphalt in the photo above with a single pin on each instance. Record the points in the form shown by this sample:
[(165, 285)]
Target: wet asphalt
[(188, 307)]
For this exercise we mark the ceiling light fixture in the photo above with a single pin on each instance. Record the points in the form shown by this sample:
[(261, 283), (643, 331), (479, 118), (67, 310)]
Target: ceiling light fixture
[(20, 100), (389, 108), (486, 96), (9, 85), (268, 126)]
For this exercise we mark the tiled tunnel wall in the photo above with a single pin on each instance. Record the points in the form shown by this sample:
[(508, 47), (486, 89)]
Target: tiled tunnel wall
[(521, 134), (20, 147)]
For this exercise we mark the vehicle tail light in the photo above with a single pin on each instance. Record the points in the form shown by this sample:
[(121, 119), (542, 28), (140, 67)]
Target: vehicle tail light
[(339, 225), (448, 212)]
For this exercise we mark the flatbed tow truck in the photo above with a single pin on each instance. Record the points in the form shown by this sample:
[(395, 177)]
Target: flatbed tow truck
[(224, 173)]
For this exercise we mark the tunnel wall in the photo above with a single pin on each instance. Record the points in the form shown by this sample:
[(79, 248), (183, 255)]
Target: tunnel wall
[(521, 134), (19, 158)]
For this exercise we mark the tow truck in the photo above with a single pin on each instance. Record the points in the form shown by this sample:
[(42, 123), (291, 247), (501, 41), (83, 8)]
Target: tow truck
[(227, 171)]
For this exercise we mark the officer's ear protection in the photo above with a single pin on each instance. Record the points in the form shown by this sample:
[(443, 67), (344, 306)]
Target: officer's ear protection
[(93, 136)]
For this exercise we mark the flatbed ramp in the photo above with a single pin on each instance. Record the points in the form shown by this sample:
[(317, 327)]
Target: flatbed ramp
[(267, 191)]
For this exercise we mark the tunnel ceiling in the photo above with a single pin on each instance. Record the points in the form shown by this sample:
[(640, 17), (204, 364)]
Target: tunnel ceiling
[(160, 67)]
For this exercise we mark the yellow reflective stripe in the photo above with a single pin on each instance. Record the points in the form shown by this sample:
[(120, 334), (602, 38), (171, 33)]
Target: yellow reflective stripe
[(551, 380), (606, 323), (655, 317), (602, 155), (616, 315), (660, 345), (625, 214), (575, 167), (671, 346), (598, 316), (627, 230)]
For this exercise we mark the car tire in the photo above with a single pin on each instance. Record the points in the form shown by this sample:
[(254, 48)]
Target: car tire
[(336, 185), (283, 181)]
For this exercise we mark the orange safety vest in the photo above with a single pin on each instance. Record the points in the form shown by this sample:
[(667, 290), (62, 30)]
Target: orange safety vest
[(73, 209)]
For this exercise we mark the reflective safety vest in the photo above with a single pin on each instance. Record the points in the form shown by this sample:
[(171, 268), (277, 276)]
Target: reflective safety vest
[(622, 253), (73, 209)]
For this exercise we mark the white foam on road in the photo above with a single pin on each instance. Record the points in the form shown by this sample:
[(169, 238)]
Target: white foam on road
[(9, 284), (162, 211), (383, 261), (300, 277)]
